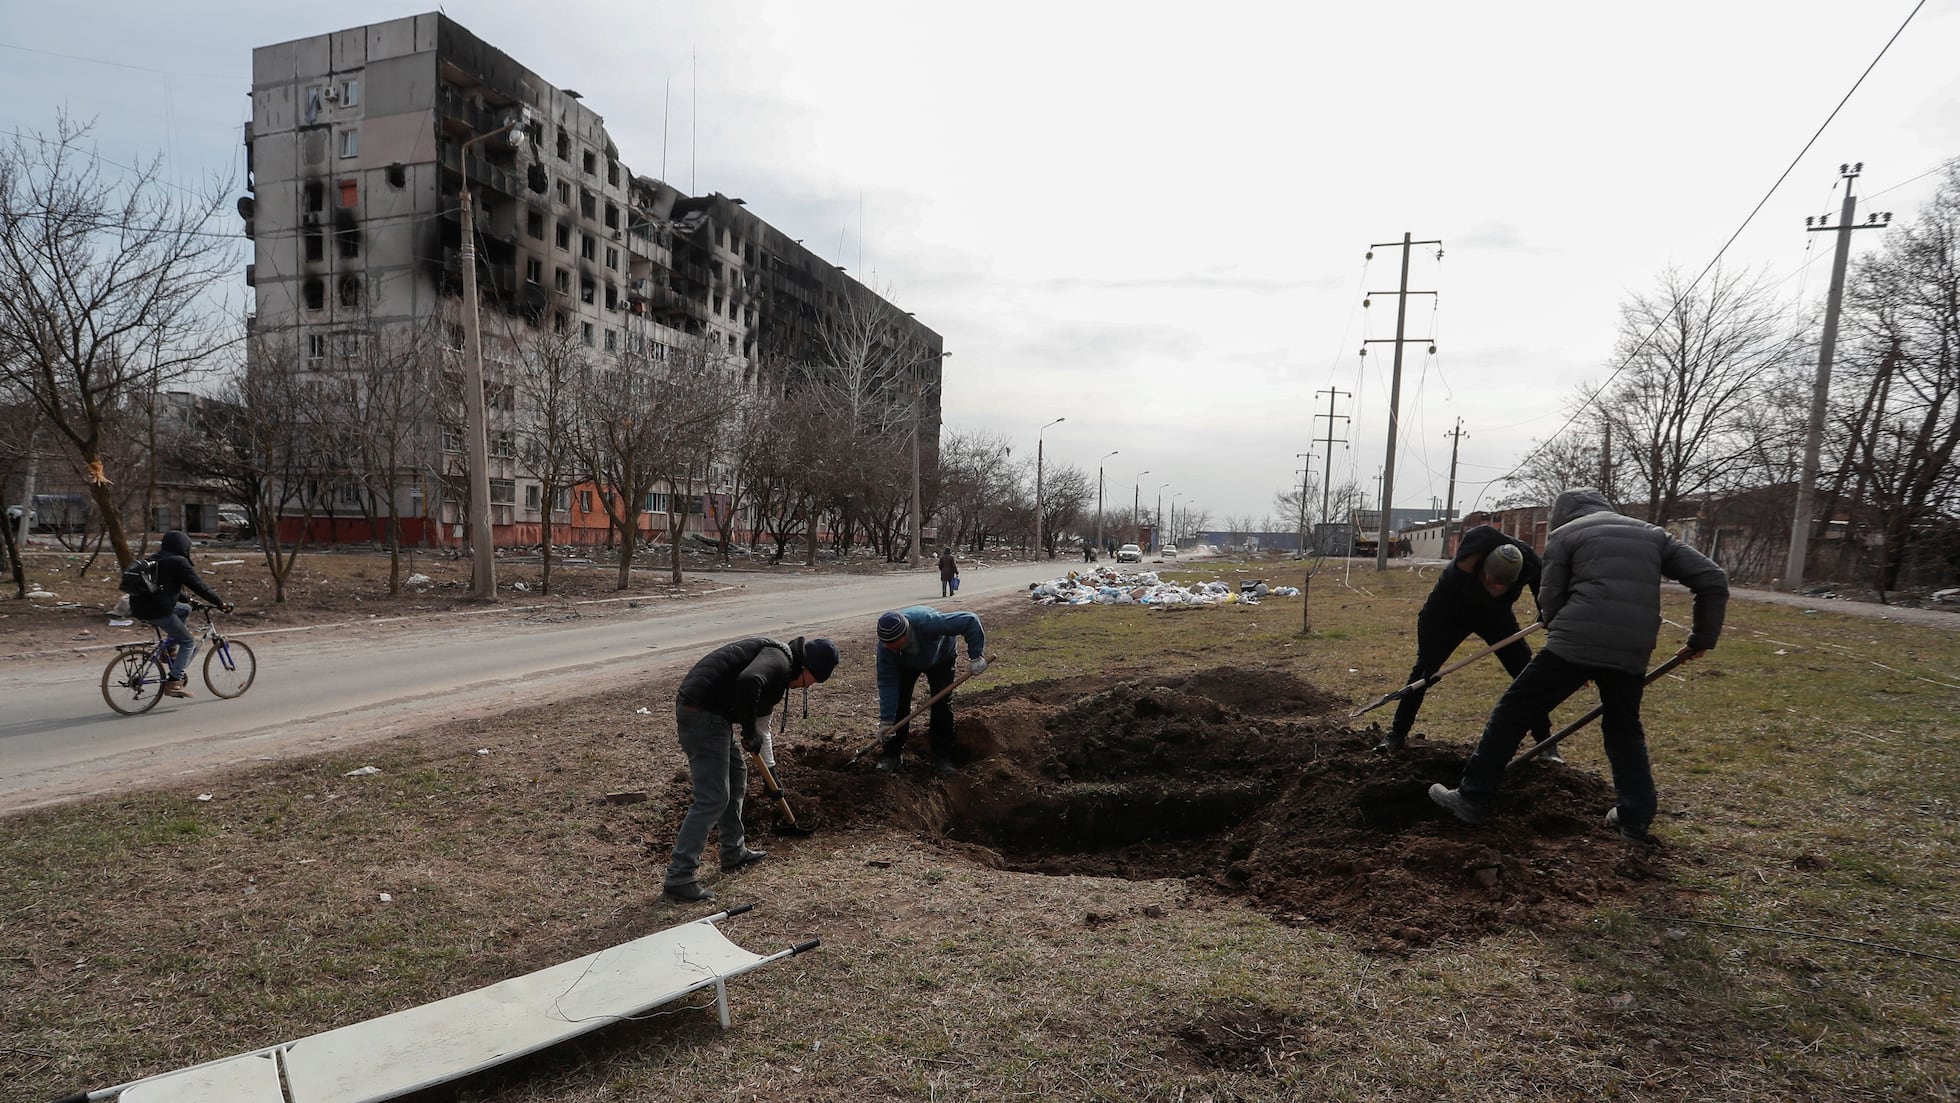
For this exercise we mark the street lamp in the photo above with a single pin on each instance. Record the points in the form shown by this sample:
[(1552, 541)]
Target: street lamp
[(1174, 498), (483, 561), (1157, 523), (1099, 503), (916, 522), (1037, 482), (1136, 503)]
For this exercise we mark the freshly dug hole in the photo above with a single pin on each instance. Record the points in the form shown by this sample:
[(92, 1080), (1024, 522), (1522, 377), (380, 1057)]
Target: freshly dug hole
[(1246, 781)]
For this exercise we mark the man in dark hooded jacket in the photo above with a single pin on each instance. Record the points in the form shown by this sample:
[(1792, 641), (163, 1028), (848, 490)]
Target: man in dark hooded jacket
[(735, 685), (1600, 601), (165, 606), (1473, 596)]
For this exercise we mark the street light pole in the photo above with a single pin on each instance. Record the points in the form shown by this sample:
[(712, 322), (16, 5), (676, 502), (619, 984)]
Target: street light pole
[(1099, 503), (917, 499), (1174, 498), (1136, 503), (483, 581), (1157, 523), (1038, 446)]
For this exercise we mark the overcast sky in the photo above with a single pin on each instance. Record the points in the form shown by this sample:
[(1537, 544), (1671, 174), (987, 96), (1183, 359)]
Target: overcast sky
[(1151, 218)]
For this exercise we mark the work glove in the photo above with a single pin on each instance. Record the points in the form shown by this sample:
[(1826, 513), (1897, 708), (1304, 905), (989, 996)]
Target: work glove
[(976, 667)]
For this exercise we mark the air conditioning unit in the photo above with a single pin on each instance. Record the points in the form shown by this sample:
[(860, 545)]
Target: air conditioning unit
[(331, 94)]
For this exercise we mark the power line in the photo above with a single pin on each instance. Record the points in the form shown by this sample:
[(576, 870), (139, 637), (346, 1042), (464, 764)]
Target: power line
[(1719, 253), (117, 64)]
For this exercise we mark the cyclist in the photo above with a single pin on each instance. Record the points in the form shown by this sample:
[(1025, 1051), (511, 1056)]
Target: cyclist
[(164, 607)]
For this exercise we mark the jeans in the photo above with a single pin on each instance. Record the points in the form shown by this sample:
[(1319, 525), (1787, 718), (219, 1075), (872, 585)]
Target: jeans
[(1438, 632), (1546, 682), (179, 633), (945, 587), (721, 778), (939, 728)]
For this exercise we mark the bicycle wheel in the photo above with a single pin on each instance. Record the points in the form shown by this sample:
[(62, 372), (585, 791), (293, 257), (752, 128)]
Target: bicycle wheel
[(132, 683), (229, 668)]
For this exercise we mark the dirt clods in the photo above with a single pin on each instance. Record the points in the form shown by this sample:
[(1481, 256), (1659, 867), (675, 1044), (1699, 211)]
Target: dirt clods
[(1243, 780)]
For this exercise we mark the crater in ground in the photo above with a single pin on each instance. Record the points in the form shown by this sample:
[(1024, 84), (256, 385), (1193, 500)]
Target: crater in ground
[(1245, 781)]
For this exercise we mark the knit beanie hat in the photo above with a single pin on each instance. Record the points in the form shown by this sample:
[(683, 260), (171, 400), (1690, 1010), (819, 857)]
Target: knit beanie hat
[(893, 627), (820, 658), (1503, 564)]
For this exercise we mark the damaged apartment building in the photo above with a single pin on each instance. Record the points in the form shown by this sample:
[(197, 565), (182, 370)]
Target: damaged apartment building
[(355, 165)]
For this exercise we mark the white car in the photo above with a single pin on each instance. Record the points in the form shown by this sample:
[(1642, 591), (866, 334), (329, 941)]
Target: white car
[(1129, 553), (1170, 551)]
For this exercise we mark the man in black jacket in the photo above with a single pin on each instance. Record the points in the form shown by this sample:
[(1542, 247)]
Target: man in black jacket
[(1600, 600), (735, 684), (1474, 595), (165, 607)]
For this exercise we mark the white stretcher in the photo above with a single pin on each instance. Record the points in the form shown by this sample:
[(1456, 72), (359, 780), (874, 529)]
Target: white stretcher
[(432, 1044)]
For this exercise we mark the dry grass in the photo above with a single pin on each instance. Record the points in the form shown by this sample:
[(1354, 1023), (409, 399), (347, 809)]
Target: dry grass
[(1804, 789)]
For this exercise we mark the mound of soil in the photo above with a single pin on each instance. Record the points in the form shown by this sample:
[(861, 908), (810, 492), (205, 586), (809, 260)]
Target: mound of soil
[(1244, 780)]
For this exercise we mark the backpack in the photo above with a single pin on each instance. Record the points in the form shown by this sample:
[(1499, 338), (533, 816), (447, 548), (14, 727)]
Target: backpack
[(139, 578)]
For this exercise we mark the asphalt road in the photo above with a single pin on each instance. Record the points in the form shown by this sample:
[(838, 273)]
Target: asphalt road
[(315, 691)]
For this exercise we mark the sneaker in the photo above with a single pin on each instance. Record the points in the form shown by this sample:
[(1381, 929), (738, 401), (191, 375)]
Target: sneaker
[(944, 767), (745, 859), (1391, 744), (1628, 832), (887, 763), (1458, 804), (687, 892), (175, 688)]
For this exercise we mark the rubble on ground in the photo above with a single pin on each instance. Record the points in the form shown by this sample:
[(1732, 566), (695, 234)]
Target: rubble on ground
[(1111, 586)]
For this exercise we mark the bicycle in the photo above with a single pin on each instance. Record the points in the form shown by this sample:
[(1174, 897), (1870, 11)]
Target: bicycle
[(132, 683)]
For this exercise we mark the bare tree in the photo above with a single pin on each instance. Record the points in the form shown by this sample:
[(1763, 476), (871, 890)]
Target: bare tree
[(1066, 494), (1904, 310), (1696, 356), (102, 292), (975, 473), (380, 399), (695, 399), (551, 368)]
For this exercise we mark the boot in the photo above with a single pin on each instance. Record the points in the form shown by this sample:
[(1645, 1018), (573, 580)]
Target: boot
[(888, 762), (1391, 744), (945, 767), (743, 860), (687, 892), (174, 687)]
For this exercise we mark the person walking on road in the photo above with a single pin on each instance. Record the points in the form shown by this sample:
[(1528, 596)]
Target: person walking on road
[(734, 686), (1600, 601), (1473, 596), (921, 640), (949, 571), (164, 607)]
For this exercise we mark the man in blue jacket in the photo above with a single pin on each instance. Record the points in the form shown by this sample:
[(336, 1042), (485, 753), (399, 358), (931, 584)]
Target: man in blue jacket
[(734, 686), (1600, 601), (165, 607), (1473, 596), (921, 640)]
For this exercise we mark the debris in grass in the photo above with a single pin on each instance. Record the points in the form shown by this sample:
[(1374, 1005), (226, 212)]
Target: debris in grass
[(204, 796), (1109, 586), (387, 899), (362, 772), (644, 711), (631, 796)]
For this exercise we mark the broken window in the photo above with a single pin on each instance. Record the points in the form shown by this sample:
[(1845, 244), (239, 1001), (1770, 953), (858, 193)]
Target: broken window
[(585, 333), (612, 297), (564, 237), (612, 340), (612, 172), (564, 193), (591, 163), (588, 289), (316, 346), (588, 204), (503, 492), (350, 291), (612, 217), (315, 290), (316, 244), (612, 258), (562, 280), (533, 270), (534, 224), (559, 322), (585, 246), (564, 144)]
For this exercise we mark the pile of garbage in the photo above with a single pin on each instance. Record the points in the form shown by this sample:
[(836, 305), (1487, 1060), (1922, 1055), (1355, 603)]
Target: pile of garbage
[(1110, 586)]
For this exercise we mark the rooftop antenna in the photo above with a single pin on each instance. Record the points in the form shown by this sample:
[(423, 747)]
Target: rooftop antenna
[(860, 229), (694, 128), (666, 101)]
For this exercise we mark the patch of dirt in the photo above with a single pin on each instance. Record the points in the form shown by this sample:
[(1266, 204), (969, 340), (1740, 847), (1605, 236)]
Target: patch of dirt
[(1244, 1038), (1244, 781)]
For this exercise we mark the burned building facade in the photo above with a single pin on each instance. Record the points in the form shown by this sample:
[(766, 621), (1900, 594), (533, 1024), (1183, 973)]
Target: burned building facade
[(356, 162)]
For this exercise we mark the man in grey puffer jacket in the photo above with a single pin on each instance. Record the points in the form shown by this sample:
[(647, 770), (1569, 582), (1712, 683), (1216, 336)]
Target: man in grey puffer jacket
[(1600, 602)]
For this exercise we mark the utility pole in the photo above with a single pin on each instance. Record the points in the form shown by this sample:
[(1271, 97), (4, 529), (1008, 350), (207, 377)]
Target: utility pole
[(1327, 468), (1306, 471), (1606, 461), (1395, 385), (1449, 503), (1378, 497), (1099, 501), (483, 575), (1826, 348)]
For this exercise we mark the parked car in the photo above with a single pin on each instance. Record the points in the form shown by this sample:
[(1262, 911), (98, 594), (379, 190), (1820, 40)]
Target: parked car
[(1129, 553), (1170, 551)]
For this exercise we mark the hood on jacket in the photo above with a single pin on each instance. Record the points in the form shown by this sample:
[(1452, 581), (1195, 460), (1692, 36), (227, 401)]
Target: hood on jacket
[(1576, 503), (176, 543)]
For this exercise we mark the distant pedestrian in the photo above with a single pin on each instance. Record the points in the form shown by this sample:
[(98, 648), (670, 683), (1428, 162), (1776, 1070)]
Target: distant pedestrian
[(1473, 596), (735, 685), (1600, 601), (949, 571), (921, 640)]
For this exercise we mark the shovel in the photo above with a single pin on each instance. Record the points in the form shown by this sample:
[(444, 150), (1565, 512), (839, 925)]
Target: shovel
[(1424, 683), (789, 826), (1551, 740), (879, 739)]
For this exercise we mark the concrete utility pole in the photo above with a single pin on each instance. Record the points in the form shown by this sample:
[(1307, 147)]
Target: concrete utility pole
[(1606, 461), (1099, 502), (1395, 385), (917, 499), (1038, 446), (1813, 439), (1327, 468), (1136, 505), (1449, 503), (1305, 472), (483, 580)]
